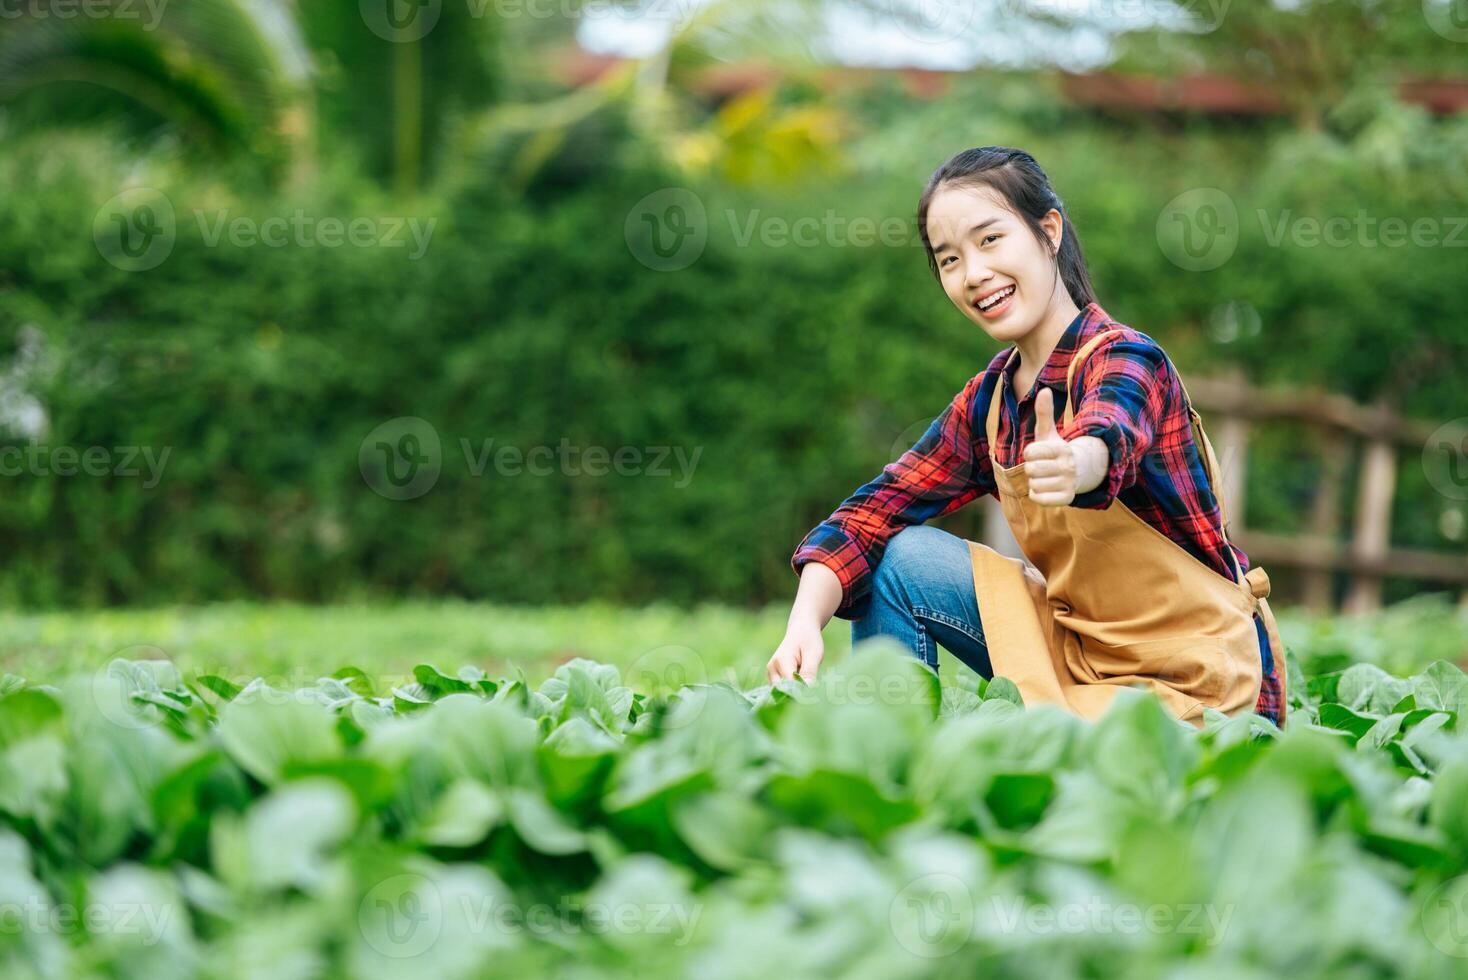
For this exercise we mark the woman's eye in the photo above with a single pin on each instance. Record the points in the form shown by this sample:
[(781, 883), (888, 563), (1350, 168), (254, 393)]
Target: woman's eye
[(945, 260), (990, 238)]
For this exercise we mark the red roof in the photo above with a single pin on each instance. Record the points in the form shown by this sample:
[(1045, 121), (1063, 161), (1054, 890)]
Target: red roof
[(1215, 94)]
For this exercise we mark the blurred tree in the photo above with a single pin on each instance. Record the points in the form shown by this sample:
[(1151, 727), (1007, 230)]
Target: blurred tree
[(395, 76), (788, 127), (384, 79), (1313, 53), (226, 75)]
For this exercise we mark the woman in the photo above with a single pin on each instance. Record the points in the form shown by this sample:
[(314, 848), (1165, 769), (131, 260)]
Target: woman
[(1083, 430)]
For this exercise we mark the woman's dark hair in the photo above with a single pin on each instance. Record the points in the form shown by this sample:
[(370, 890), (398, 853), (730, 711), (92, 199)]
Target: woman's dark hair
[(1017, 178)]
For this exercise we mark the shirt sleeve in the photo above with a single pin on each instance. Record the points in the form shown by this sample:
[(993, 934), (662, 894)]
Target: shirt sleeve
[(1124, 393), (943, 471)]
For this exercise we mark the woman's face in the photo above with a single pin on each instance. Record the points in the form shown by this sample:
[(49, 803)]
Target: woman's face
[(990, 263)]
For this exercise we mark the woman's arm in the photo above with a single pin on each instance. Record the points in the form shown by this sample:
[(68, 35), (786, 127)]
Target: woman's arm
[(944, 470), (1123, 398), (802, 649)]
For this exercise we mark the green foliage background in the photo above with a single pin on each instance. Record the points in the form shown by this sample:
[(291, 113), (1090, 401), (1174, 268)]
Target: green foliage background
[(795, 372)]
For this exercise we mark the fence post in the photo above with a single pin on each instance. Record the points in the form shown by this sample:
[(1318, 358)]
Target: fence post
[(1325, 514), (1373, 519)]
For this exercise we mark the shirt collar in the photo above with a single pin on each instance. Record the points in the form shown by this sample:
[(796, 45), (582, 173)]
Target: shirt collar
[(1086, 324)]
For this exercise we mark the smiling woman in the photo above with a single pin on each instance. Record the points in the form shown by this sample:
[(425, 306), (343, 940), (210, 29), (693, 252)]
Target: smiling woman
[(1129, 577)]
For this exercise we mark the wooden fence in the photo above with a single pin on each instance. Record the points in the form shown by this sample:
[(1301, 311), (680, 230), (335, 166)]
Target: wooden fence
[(1231, 407)]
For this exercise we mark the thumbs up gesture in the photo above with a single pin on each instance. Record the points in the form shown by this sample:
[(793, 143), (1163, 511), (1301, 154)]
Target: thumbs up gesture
[(1059, 468)]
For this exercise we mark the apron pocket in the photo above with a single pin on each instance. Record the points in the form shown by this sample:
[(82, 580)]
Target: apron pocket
[(1198, 666)]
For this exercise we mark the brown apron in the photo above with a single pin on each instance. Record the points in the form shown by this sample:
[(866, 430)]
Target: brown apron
[(1107, 601)]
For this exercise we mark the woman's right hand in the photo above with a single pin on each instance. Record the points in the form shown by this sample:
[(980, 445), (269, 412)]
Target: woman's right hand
[(799, 653)]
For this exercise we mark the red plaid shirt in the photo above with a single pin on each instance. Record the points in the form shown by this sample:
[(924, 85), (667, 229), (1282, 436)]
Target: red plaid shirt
[(1130, 398)]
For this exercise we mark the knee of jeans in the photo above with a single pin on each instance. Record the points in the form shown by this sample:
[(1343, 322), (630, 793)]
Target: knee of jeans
[(909, 554)]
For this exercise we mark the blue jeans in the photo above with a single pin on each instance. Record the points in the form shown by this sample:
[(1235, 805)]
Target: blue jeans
[(923, 596)]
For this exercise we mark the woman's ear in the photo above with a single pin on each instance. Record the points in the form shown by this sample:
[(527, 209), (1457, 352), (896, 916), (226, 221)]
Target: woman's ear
[(1054, 226)]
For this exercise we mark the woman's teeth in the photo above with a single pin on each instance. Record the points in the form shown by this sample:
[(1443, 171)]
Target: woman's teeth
[(998, 297)]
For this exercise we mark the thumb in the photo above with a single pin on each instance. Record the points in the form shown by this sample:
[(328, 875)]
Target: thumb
[(1045, 415)]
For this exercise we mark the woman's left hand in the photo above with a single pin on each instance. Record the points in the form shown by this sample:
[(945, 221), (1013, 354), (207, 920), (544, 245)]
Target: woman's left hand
[(1058, 468)]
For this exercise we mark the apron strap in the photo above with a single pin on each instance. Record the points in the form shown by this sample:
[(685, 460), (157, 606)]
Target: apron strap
[(991, 424), (1080, 356)]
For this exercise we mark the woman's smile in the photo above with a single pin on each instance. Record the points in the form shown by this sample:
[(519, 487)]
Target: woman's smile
[(994, 303)]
